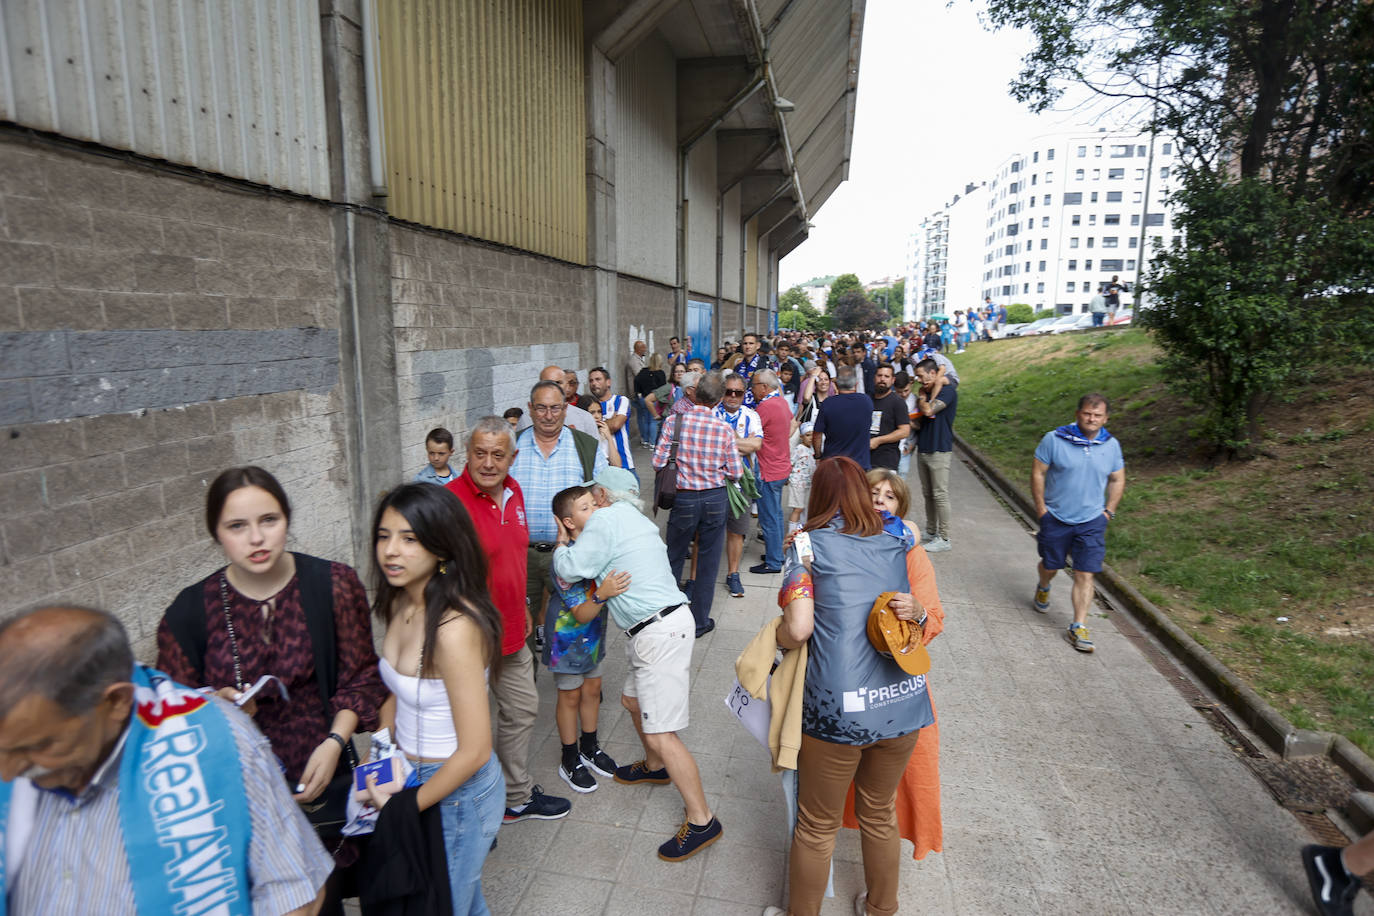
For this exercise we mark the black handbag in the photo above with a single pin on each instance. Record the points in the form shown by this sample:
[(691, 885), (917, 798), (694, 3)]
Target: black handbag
[(329, 811), (665, 478)]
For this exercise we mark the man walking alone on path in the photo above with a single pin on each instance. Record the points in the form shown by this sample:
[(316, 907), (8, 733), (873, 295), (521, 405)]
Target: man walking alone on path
[(934, 449), (1073, 466)]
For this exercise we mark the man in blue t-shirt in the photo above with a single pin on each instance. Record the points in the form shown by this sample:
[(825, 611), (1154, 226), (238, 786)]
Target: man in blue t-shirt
[(937, 403), (843, 421), (1074, 466)]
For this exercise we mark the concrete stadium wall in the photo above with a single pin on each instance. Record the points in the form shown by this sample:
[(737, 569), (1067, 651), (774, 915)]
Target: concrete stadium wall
[(155, 329), (474, 326), (650, 309)]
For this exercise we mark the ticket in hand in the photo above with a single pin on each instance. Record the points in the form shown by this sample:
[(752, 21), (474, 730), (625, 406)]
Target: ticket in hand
[(384, 770)]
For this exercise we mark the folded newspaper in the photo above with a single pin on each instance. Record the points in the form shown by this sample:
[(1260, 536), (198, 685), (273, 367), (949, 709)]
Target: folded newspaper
[(255, 689)]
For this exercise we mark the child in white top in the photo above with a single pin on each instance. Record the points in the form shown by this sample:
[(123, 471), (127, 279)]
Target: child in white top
[(803, 466)]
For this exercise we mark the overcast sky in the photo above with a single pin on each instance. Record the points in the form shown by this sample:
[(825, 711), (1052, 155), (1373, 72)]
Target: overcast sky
[(933, 113)]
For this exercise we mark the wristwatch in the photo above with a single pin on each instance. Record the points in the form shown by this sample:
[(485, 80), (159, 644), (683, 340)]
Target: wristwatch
[(1110, 514)]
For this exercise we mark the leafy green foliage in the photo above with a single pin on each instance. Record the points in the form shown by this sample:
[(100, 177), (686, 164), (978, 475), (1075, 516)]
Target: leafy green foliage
[(795, 311), (1253, 299), (844, 283), (855, 311), (1020, 313)]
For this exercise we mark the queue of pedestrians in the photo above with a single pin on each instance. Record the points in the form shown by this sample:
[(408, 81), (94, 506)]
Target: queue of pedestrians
[(229, 777)]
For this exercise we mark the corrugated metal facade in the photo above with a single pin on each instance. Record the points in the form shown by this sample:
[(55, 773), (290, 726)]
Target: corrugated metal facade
[(646, 162), (482, 102), (234, 88)]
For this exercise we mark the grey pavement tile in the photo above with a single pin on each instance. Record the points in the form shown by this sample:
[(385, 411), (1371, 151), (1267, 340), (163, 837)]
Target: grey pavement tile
[(1088, 901), (755, 879), (504, 885), (565, 895), (588, 850), (630, 900), (979, 898), (642, 867)]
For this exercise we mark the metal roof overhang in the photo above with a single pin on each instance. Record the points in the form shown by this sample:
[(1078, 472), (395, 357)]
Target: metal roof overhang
[(804, 51)]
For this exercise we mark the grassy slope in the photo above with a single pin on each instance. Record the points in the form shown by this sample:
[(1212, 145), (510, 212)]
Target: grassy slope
[(1225, 551)]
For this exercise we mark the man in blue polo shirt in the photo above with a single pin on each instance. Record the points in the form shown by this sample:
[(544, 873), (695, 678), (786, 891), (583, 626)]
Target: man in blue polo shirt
[(1074, 466)]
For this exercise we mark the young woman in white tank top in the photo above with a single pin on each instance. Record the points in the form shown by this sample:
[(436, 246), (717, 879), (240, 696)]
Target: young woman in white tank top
[(442, 634)]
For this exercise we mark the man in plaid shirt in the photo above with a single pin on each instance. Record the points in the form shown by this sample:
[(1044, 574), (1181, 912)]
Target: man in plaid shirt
[(706, 455)]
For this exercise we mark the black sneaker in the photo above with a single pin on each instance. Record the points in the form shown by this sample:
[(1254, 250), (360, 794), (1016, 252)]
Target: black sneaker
[(1333, 888), (690, 840), (599, 762), (539, 638), (638, 773), (578, 779), (540, 807)]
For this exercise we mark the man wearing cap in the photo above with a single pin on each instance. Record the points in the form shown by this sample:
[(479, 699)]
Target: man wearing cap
[(1073, 466), (659, 627)]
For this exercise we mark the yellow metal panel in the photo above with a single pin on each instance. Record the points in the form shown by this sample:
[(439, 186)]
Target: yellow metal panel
[(483, 104)]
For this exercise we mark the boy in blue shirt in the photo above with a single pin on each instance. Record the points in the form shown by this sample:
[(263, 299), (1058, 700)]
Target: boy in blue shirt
[(575, 622), (439, 449)]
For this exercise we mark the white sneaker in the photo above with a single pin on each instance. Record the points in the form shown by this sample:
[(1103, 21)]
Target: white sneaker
[(938, 545), (861, 904), (774, 911)]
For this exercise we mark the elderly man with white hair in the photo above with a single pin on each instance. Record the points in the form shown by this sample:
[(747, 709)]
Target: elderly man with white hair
[(658, 622), (775, 464)]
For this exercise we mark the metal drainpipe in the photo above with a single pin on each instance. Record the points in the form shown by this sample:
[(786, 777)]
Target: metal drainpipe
[(376, 142)]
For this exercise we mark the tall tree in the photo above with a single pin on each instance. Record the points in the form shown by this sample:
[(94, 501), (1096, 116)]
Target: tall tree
[(1273, 104), (844, 283), (855, 312)]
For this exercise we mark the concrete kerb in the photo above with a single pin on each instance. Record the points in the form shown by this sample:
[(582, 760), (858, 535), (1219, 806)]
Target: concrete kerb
[(1280, 734)]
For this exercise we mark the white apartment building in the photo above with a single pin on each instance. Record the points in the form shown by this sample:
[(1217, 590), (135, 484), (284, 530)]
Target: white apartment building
[(945, 257), (1065, 217)]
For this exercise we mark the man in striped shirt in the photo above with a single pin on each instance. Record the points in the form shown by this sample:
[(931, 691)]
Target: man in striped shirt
[(706, 455), (614, 411)]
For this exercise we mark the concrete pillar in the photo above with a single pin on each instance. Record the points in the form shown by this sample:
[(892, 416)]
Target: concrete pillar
[(362, 263), (601, 229)]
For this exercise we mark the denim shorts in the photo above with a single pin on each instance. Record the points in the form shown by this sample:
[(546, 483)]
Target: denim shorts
[(1085, 542), (567, 681), (471, 815)]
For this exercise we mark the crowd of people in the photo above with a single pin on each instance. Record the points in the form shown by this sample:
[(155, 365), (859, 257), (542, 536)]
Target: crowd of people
[(228, 775)]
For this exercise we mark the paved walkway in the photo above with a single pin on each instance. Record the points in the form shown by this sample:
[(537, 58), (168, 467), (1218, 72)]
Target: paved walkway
[(1072, 783)]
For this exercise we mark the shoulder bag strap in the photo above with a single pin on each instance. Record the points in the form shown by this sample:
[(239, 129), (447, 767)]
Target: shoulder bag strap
[(677, 434), (317, 600)]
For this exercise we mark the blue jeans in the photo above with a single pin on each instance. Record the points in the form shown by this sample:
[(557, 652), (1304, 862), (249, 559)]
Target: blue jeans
[(471, 815), (698, 513), (1098, 318), (770, 520), (644, 420)]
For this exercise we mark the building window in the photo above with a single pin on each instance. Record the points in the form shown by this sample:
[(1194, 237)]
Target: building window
[(1044, 222), (1110, 264), (1091, 239), (1114, 197), (1049, 177), (1097, 174), (1025, 287), (1140, 150), (1130, 242), (1139, 174), (1072, 198), (1071, 286), (1082, 151), (1097, 151), (1092, 196), (1049, 154), (1073, 264), (1111, 219), (1130, 264), (1035, 179), (1079, 174), (1044, 243), (1121, 151), (1092, 219), (1168, 149), (1116, 174), (1076, 219), (1087, 265), (1154, 219), (1040, 287), (1042, 266), (1164, 171), (1110, 241), (1046, 201), (1073, 242), (1135, 219)]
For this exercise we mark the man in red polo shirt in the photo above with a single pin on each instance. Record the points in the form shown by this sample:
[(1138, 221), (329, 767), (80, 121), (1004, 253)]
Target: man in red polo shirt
[(775, 464), (493, 499)]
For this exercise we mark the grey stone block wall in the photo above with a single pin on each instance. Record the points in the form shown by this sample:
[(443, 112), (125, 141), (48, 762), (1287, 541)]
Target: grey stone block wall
[(154, 330), (652, 307), (474, 326)]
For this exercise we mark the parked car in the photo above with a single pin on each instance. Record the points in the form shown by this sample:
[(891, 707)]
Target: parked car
[(1123, 317), (1035, 327), (1071, 323), (1011, 329)]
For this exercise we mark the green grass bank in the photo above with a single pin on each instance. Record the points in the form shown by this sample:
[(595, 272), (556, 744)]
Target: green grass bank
[(1268, 563)]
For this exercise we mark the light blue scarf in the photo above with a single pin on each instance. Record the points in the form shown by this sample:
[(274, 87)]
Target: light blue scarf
[(181, 805)]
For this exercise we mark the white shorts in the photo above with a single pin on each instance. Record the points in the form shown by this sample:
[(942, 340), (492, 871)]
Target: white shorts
[(660, 657)]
